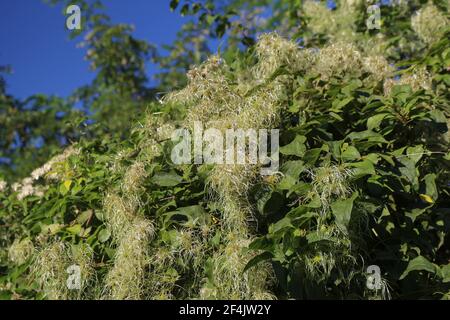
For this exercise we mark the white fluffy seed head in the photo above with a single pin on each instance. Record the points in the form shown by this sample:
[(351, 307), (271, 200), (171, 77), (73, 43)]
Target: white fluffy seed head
[(21, 251), (429, 23)]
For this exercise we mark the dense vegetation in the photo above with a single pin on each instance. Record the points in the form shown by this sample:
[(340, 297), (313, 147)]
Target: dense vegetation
[(364, 161)]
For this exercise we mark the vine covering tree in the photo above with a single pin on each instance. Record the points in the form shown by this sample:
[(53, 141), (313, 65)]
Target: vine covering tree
[(363, 183)]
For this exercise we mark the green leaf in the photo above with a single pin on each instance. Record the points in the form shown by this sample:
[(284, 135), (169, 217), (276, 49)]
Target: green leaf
[(84, 216), (110, 252), (375, 121), (311, 156), (388, 159), (372, 157), (172, 274), (280, 225), (362, 168), (398, 152), (184, 10), (261, 243), (350, 154), (104, 235), (445, 273), (210, 19), (336, 116), (174, 4), (314, 202), (51, 228), (293, 168), (416, 212), (430, 186), (259, 258), (67, 184), (166, 179), (419, 264), (75, 229), (426, 198), (100, 215), (339, 104), (287, 183), (295, 148), (316, 236), (221, 28), (401, 91), (409, 170), (367, 135), (65, 187), (301, 188), (415, 153), (195, 215), (342, 210), (196, 7), (351, 87), (438, 116), (270, 203)]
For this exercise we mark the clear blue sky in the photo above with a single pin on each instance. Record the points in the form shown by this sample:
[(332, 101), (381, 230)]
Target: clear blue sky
[(35, 42)]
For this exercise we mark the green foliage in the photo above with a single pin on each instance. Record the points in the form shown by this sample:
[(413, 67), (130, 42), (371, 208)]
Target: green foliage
[(33, 129), (364, 167), (398, 157)]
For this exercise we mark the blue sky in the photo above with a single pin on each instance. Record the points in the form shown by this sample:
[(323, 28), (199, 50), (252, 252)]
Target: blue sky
[(35, 42)]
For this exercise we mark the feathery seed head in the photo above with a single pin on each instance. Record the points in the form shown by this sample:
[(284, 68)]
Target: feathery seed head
[(20, 251), (329, 183), (429, 23), (338, 59)]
